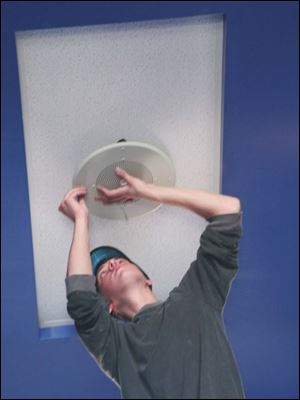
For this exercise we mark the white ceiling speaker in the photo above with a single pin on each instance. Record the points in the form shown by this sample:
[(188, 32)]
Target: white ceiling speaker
[(140, 160)]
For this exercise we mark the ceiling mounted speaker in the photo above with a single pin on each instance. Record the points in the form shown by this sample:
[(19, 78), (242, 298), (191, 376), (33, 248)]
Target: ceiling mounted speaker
[(140, 160)]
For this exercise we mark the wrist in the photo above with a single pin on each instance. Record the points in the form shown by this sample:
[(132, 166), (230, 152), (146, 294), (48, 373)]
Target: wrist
[(81, 230), (82, 220), (151, 192)]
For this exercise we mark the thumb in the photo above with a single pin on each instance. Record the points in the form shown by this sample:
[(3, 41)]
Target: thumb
[(121, 172), (83, 204)]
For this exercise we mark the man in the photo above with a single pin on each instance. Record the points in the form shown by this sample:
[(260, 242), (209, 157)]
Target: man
[(177, 348)]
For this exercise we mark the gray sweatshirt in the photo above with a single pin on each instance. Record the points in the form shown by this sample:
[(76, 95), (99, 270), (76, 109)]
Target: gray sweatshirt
[(172, 349)]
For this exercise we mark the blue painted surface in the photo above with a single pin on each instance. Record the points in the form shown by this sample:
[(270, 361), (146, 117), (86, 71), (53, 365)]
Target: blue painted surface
[(57, 332), (260, 166)]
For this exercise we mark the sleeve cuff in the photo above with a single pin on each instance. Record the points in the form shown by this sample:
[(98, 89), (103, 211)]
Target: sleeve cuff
[(226, 223), (230, 217), (80, 282)]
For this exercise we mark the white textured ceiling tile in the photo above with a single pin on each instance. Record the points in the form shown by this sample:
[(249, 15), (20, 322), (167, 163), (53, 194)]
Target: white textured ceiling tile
[(82, 88)]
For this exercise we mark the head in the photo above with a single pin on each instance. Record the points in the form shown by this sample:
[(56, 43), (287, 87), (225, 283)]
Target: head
[(120, 281)]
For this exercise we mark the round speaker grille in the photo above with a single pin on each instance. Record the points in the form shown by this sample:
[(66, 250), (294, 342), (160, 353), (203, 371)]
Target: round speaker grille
[(109, 179), (140, 160)]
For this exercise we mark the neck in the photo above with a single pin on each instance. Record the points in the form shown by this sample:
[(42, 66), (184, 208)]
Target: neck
[(136, 299)]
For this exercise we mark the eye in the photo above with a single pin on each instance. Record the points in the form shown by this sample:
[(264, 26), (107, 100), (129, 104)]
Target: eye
[(102, 272)]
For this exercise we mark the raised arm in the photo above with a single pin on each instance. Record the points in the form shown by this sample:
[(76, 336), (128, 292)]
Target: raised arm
[(86, 307), (74, 207), (205, 204), (210, 276), (79, 262)]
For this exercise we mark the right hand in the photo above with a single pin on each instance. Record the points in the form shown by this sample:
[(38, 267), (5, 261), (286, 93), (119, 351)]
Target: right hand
[(132, 190), (73, 205)]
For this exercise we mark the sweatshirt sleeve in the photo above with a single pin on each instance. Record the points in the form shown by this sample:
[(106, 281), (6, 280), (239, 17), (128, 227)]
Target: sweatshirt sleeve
[(210, 276), (98, 331)]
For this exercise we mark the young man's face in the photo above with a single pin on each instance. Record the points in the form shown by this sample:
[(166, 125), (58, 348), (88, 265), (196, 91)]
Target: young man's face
[(116, 275)]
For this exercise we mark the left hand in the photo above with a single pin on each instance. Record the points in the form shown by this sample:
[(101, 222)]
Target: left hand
[(73, 205), (134, 189)]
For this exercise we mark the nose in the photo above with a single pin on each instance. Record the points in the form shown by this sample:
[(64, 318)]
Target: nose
[(112, 264)]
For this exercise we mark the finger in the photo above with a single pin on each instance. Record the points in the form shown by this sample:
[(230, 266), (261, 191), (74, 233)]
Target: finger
[(75, 192), (62, 209), (116, 191), (105, 199), (99, 197), (111, 193), (75, 197), (61, 206), (78, 190), (82, 202), (121, 172)]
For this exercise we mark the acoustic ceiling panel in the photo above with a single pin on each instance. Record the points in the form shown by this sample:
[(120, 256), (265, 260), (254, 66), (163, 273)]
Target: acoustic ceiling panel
[(156, 82)]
